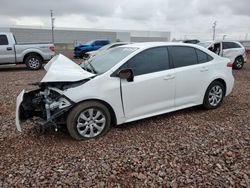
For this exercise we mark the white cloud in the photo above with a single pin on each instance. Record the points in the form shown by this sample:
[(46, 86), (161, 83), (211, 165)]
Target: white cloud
[(190, 19)]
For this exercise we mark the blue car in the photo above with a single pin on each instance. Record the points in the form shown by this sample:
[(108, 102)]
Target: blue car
[(80, 51)]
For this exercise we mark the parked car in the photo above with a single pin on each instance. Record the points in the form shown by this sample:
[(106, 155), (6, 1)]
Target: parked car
[(31, 54), (105, 48), (189, 41), (80, 51), (233, 50), (125, 84)]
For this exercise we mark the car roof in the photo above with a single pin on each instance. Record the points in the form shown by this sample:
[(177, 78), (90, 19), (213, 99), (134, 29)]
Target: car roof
[(220, 41), (143, 45)]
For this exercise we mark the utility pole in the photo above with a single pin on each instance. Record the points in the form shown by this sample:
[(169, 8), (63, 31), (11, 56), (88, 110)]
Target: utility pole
[(52, 25), (214, 29), (246, 36)]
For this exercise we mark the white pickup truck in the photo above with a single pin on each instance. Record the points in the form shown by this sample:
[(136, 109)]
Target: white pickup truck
[(31, 54)]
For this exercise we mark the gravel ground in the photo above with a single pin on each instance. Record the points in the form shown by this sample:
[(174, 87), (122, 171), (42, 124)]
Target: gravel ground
[(188, 148)]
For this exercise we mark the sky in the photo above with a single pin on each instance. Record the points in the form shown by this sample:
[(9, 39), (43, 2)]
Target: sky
[(185, 19)]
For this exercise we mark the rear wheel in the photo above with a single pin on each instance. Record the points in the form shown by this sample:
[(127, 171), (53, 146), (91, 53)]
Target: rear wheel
[(34, 62), (88, 120), (214, 95), (239, 63)]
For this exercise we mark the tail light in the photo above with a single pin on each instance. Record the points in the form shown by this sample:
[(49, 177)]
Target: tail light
[(230, 64), (52, 48)]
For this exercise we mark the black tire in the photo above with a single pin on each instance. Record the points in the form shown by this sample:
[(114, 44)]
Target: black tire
[(73, 119), (207, 101), (34, 62), (84, 55), (238, 63)]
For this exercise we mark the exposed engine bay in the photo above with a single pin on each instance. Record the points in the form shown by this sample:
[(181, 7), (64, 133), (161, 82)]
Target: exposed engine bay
[(47, 103)]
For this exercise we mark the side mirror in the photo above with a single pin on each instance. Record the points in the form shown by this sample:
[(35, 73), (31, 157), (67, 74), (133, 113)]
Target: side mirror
[(126, 74)]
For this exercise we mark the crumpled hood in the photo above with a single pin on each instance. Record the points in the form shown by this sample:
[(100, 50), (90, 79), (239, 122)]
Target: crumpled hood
[(62, 69)]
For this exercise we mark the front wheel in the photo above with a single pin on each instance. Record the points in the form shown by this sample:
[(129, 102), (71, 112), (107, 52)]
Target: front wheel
[(88, 120), (214, 95), (34, 62), (239, 63)]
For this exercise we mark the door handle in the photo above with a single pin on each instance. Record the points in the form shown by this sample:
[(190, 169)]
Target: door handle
[(169, 77), (204, 69), (9, 48)]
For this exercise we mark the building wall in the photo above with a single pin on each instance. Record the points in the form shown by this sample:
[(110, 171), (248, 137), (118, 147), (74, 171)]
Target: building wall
[(68, 38)]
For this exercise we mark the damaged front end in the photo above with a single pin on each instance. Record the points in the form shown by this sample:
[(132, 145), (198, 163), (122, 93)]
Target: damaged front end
[(46, 103)]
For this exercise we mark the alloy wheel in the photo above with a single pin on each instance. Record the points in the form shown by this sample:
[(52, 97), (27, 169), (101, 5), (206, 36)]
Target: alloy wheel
[(91, 122), (215, 95)]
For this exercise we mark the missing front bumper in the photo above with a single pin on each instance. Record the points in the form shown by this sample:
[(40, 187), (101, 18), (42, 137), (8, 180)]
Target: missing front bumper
[(46, 104)]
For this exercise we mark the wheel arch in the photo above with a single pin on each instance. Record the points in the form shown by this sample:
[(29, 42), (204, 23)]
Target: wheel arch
[(32, 53), (110, 108), (222, 81)]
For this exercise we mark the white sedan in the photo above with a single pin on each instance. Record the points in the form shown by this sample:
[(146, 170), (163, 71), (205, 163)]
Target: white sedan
[(125, 84)]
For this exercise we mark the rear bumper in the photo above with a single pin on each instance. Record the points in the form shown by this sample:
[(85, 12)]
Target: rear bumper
[(230, 85)]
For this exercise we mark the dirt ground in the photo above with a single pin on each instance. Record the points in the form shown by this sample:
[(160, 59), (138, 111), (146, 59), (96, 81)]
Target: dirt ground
[(187, 148)]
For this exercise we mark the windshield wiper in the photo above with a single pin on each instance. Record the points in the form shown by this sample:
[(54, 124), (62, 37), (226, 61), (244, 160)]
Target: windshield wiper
[(89, 68), (92, 68)]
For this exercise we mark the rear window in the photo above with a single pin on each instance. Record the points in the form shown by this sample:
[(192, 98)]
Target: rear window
[(3, 40)]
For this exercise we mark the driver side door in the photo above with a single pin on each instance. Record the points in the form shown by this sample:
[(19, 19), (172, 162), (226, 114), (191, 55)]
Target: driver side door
[(152, 91)]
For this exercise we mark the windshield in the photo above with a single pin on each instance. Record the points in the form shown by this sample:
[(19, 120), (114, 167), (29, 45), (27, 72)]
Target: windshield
[(89, 42), (205, 44), (102, 63)]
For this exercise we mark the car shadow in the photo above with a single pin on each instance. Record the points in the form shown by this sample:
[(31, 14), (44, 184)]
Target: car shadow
[(12, 68), (193, 110)]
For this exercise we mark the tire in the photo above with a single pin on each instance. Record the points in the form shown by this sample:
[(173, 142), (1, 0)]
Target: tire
[(214, 95), (34, 62), (82, 126), (84, 55), (238, 63)]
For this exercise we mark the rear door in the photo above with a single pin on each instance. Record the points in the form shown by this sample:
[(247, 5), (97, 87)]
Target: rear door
[(153, 88), (232, 50), (7, 53), (192, 72)]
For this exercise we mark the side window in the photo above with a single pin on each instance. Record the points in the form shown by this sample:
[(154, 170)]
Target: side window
[(235, 45), (102, 43), (183, 56), (226, 45), (3, 40), (97, 43), (149, 61), (202, 56), (229, 45)]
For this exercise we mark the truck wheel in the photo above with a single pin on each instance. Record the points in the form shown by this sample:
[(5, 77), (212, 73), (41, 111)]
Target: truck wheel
[(34, 62), (88, 120)]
